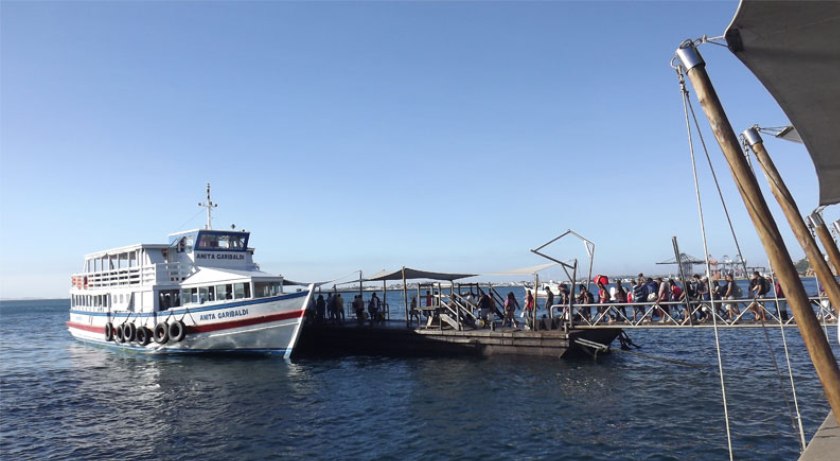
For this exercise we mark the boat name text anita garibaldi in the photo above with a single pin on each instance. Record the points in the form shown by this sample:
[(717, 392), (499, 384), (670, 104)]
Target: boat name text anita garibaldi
[(224, 315)]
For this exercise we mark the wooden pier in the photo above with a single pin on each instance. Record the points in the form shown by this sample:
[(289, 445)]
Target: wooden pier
[(826, 442), (395, 339)]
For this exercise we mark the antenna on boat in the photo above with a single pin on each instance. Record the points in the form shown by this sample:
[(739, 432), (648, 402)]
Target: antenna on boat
[(209, 205)]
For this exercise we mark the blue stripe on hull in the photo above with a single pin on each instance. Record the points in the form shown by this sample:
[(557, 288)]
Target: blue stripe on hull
[(190, 310)]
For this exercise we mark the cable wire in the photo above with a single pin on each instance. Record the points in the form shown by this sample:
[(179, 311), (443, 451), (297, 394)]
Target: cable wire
[(686, 105)]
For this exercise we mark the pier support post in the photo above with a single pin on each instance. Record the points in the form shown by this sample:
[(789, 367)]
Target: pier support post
[(788, 205), (815, 341)]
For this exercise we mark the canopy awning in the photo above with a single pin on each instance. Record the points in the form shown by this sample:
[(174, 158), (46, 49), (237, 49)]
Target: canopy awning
[(530, 270), (411, 274), (794, 50)]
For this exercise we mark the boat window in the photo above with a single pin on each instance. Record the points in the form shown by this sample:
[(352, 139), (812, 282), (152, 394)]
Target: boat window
[(241, 290), (203, 295), (266, 289), (224, 292), (215, 240), (185, 296)]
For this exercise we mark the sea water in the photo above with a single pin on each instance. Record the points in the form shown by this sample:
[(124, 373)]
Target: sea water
[(61, 399)]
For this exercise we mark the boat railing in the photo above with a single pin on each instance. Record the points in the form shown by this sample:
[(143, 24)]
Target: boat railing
[(142, 275), (689, 313)]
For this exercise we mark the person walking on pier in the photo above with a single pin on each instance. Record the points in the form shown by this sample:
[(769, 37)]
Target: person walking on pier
[(585, 298), (730, 292), (373, 309), (339, 309), (639, 296), (359, 309), (320, 309), (758, 288), (529, 311), (620, 300), (781, 309), (603, 297), (549, 300), (510, 311)]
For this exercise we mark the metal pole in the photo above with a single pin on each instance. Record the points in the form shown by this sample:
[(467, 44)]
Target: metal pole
[(828, 242), (405, 298), (678, 255), (765, 225), (534, 310), (788, 205)]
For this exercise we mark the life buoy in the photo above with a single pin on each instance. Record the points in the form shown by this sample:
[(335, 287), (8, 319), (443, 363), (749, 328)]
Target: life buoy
[(143, 336), (161, 333), (129, 331), (109, 331), (177, 331), (118, 334)]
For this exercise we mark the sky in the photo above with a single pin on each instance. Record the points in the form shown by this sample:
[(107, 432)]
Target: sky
[(347, 136)]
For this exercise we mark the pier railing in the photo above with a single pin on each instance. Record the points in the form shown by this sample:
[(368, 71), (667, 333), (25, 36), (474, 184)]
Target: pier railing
[(727, 312)]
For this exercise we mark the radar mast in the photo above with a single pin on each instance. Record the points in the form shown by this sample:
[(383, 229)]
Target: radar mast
[(209, 205)]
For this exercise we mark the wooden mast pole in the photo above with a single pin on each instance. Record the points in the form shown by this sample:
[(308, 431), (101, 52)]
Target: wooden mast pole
[(827, 241), (815, 341), (800, 230)]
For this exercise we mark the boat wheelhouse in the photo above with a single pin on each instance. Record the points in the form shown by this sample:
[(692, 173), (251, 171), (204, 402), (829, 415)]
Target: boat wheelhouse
[(200, 292)]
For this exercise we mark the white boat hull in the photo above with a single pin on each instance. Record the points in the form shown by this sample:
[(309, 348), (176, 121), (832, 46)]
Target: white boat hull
[(257, 325)]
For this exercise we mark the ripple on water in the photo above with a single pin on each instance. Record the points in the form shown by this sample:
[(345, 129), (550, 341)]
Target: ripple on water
[(65, 400)]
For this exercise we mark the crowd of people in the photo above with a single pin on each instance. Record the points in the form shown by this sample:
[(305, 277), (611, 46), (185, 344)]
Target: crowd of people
[(648, 299), (661, 299)]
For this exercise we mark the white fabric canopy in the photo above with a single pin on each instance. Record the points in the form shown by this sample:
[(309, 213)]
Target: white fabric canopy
[(531, 270), (793, 48)]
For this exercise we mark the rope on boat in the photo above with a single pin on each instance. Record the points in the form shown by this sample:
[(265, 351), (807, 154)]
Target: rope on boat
[(686, 106)]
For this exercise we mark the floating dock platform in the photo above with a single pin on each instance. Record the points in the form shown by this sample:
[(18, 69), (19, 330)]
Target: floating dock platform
[(394, 338)]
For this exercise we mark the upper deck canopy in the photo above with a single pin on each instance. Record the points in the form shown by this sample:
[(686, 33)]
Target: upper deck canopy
[(794, 49)]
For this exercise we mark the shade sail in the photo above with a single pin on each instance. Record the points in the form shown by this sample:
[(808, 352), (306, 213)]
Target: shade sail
[(531, 270), (793, 48), (411, 274)]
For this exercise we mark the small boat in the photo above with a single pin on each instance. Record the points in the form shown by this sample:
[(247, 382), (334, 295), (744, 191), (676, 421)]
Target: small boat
[(200, 292)]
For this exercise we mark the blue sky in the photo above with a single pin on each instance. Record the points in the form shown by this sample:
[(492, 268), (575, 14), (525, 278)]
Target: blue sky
[(450, 136)]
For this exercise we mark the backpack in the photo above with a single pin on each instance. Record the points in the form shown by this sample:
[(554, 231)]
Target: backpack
[(736, 290)]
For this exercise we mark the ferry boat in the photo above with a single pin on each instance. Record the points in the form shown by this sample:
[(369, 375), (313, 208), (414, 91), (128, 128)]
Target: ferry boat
[(200, 292)]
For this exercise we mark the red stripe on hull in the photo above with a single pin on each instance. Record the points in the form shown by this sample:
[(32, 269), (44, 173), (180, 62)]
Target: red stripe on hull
[(210, 327), (89, 328)]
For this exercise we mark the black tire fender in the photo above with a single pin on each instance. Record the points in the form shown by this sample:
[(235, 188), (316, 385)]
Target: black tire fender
[(144, 335), (177, 331), (129, 332), (161, 333)]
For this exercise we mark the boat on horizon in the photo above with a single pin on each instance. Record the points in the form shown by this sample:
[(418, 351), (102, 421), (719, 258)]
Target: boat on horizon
[(200, 292)]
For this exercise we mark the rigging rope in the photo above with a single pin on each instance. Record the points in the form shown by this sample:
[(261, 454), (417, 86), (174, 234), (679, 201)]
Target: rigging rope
[(798, 418), (719, 191), (686, 105)]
